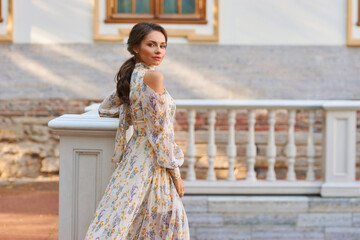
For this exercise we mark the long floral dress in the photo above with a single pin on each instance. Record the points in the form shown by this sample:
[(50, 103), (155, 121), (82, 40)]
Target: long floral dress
[(140, 200)]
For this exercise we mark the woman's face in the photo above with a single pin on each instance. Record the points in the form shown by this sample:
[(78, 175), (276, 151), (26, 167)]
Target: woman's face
[(152, 48)]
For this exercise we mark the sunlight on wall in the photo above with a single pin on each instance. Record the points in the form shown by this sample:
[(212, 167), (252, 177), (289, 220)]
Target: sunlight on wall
[(201, 83), (81, 58), (43, 21), (82, 88)]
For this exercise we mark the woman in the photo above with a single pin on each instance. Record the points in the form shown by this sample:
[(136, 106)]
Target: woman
[(142, 199)]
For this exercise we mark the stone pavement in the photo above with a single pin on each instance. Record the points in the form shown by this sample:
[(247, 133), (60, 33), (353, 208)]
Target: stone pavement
[(29, 210)]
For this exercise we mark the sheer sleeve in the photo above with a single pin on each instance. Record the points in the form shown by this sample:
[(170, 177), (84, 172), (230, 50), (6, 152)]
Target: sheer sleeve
[(160, 131), (111, 107), (175, 173)]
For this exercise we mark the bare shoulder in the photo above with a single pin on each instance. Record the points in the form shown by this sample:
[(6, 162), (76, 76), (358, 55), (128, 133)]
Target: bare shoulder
[(155, 80)]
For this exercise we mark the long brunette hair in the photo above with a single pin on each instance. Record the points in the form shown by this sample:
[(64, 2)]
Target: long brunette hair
[(137, 34)]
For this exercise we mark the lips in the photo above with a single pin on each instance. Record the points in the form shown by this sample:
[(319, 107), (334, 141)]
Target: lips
[(157, 58)]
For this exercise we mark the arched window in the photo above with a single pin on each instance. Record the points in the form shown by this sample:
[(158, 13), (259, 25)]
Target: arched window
[(160, 11)]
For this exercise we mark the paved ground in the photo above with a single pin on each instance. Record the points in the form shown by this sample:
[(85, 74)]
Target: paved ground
[(29, 211)]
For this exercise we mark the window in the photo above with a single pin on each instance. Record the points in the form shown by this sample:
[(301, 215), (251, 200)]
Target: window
[(358, 21), (160, 11), (1, 19)]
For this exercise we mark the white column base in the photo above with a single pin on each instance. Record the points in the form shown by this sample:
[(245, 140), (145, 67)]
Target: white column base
[(333, 189)]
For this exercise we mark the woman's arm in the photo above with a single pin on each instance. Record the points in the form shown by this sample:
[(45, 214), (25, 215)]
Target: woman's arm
[(110, 106), (159, 125)]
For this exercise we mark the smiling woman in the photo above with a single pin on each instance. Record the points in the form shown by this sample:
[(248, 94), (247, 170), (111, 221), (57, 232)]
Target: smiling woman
[(142, 199), (160, 11)]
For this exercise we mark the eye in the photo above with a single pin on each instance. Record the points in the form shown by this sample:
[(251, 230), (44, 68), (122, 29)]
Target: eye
[(163, 46), (150, 44)]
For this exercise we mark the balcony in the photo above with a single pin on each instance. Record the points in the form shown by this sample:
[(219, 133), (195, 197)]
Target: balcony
[(87, 142)]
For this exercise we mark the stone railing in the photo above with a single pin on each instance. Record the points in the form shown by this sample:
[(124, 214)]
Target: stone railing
[(87, 142)]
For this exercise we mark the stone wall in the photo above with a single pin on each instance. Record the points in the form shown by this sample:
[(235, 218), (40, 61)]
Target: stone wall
[(28, 148), (272, 217), (39, 82), (192, 71)]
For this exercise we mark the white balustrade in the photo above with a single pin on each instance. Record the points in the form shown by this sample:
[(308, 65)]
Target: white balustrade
[(251, 147), (339, 149), (191, 147), (291, 148), (310, 175), (271, 147), (231, 147), (87, 142), (211, 150)]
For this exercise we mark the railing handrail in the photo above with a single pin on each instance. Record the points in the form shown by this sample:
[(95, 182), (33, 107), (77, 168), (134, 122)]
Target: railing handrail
[(261, 103), (91, 121), (84, 122), (268, 104)]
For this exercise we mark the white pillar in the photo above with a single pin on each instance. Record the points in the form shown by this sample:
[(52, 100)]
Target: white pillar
[(271, 147), (310, 175), (251, 147), (191, 147), (231, 147), (339, 145), (211, 148), (85, 169), (291, 147)]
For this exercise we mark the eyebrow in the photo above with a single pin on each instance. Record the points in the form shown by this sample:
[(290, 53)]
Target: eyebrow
[(154, 41)]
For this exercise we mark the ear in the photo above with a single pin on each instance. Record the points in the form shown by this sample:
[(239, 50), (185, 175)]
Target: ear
[(136, 49)]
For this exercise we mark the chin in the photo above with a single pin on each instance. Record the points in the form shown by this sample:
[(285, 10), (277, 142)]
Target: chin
[(156, 63)]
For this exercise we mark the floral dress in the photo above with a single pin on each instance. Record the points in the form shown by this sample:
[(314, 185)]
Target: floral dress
[(140, 200)]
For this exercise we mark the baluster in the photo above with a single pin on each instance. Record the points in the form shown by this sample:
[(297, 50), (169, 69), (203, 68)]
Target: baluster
[(271, 147), (251, 147), (231, 147), (310, 175), (211, 148), (291, 147), (191, 147)]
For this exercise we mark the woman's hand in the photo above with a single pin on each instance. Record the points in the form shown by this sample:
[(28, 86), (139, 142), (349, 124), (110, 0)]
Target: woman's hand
[(180, 186)]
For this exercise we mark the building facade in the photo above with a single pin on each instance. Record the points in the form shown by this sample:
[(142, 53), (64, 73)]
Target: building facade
[(238, 49)]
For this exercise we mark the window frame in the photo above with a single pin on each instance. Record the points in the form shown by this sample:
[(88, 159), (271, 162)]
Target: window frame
[(358, 12), (156, 6), (1, 19)]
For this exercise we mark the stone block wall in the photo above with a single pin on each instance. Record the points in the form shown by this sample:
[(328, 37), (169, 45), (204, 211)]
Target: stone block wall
[(272, 217), (39, 82), (191, 71), (28, 148)]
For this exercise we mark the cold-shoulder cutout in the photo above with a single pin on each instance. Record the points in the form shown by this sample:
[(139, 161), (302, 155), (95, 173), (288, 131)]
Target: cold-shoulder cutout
[(155, 81), (158, 113)]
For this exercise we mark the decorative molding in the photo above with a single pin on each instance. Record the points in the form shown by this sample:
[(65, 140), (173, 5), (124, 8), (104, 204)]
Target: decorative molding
[(190, 34), (76, 188), (350, 25), (8, 37), (1, 19)]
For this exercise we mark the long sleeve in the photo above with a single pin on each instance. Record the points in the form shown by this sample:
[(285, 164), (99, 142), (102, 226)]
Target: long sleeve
[(159, 128), (175, 173), (111, 107)]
